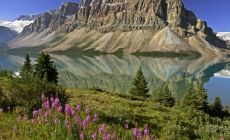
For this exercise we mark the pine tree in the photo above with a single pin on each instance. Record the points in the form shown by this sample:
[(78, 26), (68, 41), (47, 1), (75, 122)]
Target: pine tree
[(202, 98), (165, 97), (216, 106), (190, 99), (139, 85), (27, 68), (45, 69), (196, 99)]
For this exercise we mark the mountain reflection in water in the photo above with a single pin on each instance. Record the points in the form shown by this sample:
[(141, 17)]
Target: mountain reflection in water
[(114, 73)]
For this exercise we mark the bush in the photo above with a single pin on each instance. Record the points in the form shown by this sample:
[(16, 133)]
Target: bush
[(28, 93), (7, 103)]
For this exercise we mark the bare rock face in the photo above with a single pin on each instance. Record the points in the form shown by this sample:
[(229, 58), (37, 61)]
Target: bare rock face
[(129, 15), (52, 19)]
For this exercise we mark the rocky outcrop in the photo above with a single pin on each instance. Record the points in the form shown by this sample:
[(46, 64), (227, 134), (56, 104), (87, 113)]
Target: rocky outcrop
[(53, 19), (6, 34)]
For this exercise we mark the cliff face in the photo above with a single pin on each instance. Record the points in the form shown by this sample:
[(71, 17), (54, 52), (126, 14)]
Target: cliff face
[(109, 19), (152, 15), (53, 19)]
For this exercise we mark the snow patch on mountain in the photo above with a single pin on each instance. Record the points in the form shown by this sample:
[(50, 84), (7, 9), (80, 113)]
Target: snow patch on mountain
[(224, 35), (17, 25)]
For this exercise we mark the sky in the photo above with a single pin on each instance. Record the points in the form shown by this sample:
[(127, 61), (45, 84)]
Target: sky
[(215, 12)]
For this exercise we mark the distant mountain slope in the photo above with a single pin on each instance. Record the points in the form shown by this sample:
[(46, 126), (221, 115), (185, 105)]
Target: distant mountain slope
[(224, 35), (131, 26), (17, 25), (6, 34)]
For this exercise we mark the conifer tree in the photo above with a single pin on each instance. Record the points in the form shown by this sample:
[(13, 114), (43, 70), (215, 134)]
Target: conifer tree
[(165, 97), (196, 98), (139, 85), (202, 98), (45, 69), (27, 68), (217, 107), (190, 99)]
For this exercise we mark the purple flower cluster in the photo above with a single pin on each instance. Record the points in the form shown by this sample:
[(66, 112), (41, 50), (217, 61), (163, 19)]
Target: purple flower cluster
[(84, 121), (139, 135)]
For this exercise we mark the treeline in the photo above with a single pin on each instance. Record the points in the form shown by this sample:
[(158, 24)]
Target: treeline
[(195, 97)]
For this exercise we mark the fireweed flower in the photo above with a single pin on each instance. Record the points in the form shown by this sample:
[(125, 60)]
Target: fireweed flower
[(78, 107), (35, 113), (43, 98), (53, 106), (95, 118), (78, 120), (52, 99), (106, 136), (82, 136), (87, 111), (94, 136), (136, 133), (102, 129), (57, 102), (87, 119), (56, 121), (60, 109), (68, 125), (84, 124), (47, 105), (146, 131), (126, 126), (69, 110)]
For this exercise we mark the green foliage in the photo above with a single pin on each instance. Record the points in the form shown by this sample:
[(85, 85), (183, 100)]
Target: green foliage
[(164, 97), (7, 74), (217, 108), (29, 92), (25, 91), (7, 102), (202, 98), (196, 98), (139, 85), (45, 68), (27, 68)]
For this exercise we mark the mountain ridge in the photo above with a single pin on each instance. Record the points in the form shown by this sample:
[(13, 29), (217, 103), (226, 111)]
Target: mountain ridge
[(108, 20)]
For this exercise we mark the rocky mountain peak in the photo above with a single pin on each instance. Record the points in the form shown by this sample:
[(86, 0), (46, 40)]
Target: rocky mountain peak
[(53, 19), (27, 17)]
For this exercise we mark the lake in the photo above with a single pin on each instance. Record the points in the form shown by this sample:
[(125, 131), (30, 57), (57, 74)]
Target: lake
[(114, 73)]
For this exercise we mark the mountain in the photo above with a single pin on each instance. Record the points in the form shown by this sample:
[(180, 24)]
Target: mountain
[(26, 18), (130, 26), (6, 34), (52, 19), (16, 25), (224, 35)]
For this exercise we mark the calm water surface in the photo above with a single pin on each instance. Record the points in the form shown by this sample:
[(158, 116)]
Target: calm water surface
[(114, 73)]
